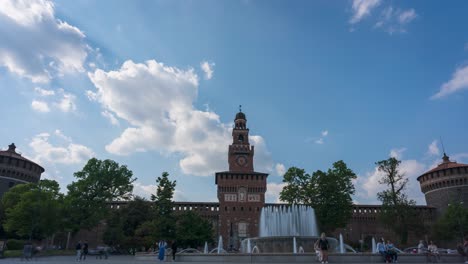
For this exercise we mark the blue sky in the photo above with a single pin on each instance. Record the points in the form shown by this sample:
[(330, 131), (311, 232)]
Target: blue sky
[(155, 85)]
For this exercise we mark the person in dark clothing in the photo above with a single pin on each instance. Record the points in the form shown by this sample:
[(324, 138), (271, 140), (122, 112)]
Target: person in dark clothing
[(85, 250), (323, 246), (174, 249), (78, 251)]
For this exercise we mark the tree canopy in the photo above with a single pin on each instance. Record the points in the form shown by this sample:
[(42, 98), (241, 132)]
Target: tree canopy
[(34, 210), (98, 183), (193, 230), (453, 224), (397, 212), (322, 190)]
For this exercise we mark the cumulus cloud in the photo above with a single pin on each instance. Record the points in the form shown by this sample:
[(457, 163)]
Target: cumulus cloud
[(395, 20), (44, 92), (458, 83), (362, 8), (109, 116), (273, 191), (397, 153), (319, 141), (157, 101), (324, 133), (40, 106), (67, 102), (280, 169), (65, 153), (207, 68), (367, 185), (433, 149), (39, 45)]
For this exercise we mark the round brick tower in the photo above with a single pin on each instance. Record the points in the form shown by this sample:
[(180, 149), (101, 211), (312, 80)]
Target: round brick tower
[(445, 184), (15, 169)]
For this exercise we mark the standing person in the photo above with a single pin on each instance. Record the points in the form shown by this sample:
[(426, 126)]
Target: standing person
[(78, 251), (317, 250), (391, 251), (465, 249), (323, 245), (162, 250), (174, 249), (84, 250), (382, 249)]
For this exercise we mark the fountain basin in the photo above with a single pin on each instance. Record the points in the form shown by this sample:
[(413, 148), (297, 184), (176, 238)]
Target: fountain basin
[(285, 244)]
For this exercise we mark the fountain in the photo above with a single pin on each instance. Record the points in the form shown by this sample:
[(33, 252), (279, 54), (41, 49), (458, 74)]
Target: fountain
[(220, 245), (342, 249), (374, 247), (205, 250), (285, 229)]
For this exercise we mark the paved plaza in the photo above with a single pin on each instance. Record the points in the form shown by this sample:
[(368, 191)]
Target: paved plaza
[(128, 260)]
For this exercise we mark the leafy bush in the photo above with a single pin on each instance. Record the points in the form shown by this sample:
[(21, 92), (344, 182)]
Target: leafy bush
[(14, 244)]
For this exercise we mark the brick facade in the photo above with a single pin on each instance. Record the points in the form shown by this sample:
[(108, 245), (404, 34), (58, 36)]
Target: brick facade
[(241, 190), (445, 184)]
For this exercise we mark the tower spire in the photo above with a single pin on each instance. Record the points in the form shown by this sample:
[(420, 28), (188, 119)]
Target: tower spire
[(240, 108)]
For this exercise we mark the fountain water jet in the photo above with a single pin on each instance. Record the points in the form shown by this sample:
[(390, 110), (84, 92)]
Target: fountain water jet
[(342, 250), (294, 246), (205, 250), (374, 247), (220, 244)]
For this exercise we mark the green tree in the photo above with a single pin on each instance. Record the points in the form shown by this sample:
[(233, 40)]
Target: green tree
[(163, 207), (322, 191), (397, 212), (98, 183), (333, 189), (123, 223), (297, 189), (193, 230), (163, 222), (453, 224), (33, 210)]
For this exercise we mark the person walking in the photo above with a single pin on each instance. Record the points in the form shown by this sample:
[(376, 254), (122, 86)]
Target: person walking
[(323, 245), (465, 249), (84, 251), (174, 249), (78, 251)]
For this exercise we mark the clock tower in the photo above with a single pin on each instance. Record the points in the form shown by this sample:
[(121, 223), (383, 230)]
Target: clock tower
[(241, 190)]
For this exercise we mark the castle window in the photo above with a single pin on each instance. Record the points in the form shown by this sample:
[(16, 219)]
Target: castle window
[(233, 208), (225, 208), (242, 208), (250, 209)]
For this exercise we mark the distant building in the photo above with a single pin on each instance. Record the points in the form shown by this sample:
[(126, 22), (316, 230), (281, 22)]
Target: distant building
[(445, 184), (15, 169)]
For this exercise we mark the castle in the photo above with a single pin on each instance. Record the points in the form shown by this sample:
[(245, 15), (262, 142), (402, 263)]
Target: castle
[(241, 194)]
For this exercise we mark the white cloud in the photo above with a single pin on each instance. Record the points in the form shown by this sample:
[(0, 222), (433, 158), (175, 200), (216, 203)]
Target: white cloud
[(39, 45), (40, 106), (407, 16), (324, 133), (144, 191), (319, 141), (397, 153), (362, 8), (157, 101), (280, 169), (112, 119), (273, 191), (207, 68), (44, 92), (433, 149), (395, 20), (66, 153), (458, 82), (66, 102)]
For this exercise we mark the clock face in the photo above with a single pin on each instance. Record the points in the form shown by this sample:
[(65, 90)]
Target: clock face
[(242, 161)]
